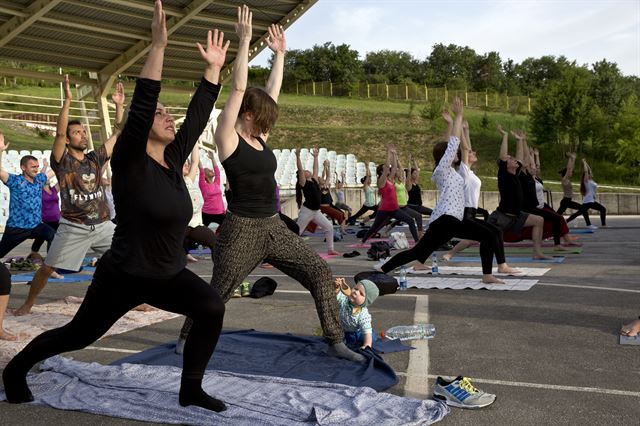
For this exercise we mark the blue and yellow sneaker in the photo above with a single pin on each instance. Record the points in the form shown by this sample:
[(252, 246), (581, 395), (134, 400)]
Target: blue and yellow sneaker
[(461, 393)]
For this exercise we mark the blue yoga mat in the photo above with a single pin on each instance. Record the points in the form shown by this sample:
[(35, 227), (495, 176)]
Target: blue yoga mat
[(279, 355), (581, 231), (473, 259), (67, 279)]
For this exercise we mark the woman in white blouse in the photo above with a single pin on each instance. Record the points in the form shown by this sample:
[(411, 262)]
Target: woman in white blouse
[(447, 217)]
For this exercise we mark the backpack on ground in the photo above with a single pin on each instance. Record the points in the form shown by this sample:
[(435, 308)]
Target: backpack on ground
[(379, 250), (385, 283)]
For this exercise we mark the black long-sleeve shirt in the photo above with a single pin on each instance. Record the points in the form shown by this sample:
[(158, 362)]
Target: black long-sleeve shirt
[(152, 202)]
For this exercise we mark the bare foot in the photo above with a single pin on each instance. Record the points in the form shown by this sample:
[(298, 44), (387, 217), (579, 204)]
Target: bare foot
[(5, 335), (191, 259), (541, 256), (144, 308), (559, 248), (447, 257), (505, 269), (421, 267), (632, 329), (22, 310), (490, 279), (72, 300), (56, 276), (333, 253)]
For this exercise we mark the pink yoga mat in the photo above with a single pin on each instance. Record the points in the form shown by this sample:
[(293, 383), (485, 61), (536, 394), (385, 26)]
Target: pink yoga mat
[(529, 244), (326, 256)]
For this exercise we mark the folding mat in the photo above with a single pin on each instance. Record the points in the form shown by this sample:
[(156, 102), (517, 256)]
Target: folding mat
[(468, 283), (150, 393), (476, 270)]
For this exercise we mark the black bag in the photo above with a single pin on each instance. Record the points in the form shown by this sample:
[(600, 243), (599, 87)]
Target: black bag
[(379, 250), (265, 286), (361, 233), (386, 283)]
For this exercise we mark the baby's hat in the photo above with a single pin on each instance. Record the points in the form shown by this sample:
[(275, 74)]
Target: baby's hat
[(370, 292)]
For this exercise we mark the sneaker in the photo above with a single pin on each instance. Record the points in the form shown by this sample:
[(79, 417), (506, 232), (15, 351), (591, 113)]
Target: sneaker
[(592, 227), (245, 289), (237, 293), (381, 262), (461, 393)]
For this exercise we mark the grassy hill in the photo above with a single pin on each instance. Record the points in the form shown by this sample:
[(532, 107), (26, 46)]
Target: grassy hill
[(359, 126)]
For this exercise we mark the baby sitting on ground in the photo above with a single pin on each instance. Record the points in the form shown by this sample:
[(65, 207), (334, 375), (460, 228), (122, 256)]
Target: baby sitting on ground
[(354, 315)]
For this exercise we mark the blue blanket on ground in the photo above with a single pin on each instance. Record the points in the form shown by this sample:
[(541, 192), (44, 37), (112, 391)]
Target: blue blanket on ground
[(279, 355)]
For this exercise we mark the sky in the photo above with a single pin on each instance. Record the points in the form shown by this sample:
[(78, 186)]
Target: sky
[(584, 31)]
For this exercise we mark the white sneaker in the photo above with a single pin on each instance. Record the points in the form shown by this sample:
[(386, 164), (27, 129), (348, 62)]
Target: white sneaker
[(592, 227), (381, 262)]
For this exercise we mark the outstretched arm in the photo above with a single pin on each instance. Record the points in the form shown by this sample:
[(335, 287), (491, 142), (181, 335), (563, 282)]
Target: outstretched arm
[(314, 172), (504, 146), (466, 142), (45, 169), (278, 44), (118, 99), (195, 163), (59, 143), (226, 137), (382, 180), (571, 161), (519, 135), (586, 168), (449, 120), (302, 179), (393, 163), (4, 175)]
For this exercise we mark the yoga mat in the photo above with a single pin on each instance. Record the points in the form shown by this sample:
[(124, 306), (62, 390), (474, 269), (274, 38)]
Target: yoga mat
[(56, 314), (150, 393), (530, 244), (278, 355), (387, 346), (525, 250), (476, 270), (74, 278), (203, 251), (474, 259), (468, 283), (581, 231), (327, 256), (628, 340)]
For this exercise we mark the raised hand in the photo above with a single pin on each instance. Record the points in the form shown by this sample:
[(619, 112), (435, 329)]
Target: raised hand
[(501, 130), (45, 164), (2, 145), (118, 95), (457, 106), (276, 41), (215, 52), (465, 125), (66, 87), (572, 155), (447, 116), (315, 151), (243, 26), (518, 134), (158, 26)]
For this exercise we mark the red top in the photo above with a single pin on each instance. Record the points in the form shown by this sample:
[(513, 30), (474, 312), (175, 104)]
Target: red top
[(389, 200)]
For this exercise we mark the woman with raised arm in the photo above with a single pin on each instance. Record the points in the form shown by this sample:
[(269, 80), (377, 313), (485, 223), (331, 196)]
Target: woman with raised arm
[(309, 185), (213, 209), (253, 232), (326, 200), (341, 203), (403, 196), (588, 189), (472, 184), (369, 203), (567, 198), (196, 231), (146, 262), (447, 218), (414, 190), (388, 207)]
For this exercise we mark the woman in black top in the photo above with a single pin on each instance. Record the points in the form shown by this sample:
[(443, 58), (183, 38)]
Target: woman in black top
[(146, 263), (253, 232), (413, 189)]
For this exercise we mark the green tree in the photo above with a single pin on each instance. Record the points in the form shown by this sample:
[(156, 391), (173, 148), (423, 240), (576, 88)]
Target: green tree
[(451, 65), (488, 73), (392, 66), (626, 132), (607, 86)]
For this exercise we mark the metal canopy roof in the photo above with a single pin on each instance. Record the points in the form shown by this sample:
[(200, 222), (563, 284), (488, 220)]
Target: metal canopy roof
[(112, 37)]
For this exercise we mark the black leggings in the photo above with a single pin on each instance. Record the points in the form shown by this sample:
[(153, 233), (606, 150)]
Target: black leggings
[(483, 212), (382, 216), (200, 235), (567, 203), (12, 237), (439, 232), (37, 243), (112, 294), (291, 224), (420, 209), (5, 281), (217, 218), (363, 210), (584, 211)]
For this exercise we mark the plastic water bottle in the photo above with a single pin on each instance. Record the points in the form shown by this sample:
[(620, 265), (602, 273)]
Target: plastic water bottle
[(434, 264), (403, 278), (411, 332)]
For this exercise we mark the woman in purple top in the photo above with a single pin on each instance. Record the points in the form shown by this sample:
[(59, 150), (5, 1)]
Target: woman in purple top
[(50, 212)]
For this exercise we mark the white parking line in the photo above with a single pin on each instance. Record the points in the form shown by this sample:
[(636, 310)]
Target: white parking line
[(417, 383), (590, 287), (105, 349)]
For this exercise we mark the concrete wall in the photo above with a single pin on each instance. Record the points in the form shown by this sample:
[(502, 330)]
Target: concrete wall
[(616, 203)]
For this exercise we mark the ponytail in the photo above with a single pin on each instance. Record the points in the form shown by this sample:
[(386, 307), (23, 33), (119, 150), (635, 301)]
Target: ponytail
[(299, 195), (583, 186)]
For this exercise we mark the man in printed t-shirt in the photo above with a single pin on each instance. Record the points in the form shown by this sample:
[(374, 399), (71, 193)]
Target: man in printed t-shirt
[(85, 220)]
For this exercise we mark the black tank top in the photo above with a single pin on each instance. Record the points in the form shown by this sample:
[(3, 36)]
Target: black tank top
[(325, 196), (251, 177), (415, 195), (311, 191)]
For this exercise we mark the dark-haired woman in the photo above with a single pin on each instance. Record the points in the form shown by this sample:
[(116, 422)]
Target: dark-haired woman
[(369, 203), (252, 232), (447, 217), (309, 185), (567, 189), (588, 189), (388, 207), (145, 262), (414, 190)]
